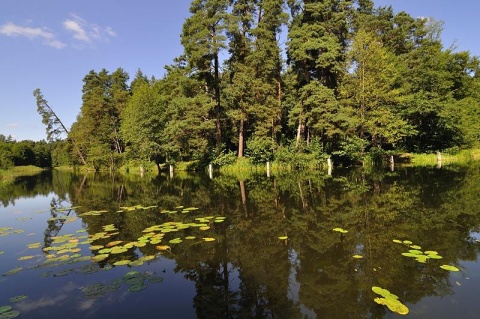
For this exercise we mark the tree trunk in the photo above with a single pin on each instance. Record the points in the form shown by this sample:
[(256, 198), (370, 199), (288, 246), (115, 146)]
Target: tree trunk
[(240, 139), (218, 127)]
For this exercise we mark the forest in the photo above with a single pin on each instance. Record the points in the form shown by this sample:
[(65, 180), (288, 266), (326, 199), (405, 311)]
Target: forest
[(291, 81)]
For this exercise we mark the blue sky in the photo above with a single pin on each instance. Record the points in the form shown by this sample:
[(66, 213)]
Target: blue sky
[(53, 44)]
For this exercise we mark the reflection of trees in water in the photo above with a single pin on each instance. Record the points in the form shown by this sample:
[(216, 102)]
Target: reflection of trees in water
[(245, 273)]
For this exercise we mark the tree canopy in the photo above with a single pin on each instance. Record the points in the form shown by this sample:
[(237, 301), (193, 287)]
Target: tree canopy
[(258, 77)]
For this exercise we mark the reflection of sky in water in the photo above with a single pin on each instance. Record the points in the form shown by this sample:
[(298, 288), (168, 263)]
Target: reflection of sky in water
[(464, 299), (62, 297)]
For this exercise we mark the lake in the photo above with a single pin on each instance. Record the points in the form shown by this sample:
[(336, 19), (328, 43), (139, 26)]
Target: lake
[(294, 245)]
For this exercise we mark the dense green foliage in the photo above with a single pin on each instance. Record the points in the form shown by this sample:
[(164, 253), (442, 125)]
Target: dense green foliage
[(357, 80), (24, 153)]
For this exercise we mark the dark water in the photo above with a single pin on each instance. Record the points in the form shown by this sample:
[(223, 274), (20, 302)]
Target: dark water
[(245, 270)]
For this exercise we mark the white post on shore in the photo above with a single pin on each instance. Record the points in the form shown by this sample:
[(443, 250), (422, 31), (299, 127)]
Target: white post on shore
[(392, 163), (329, 166), (268, 169), (171, 171), (210, 171), (439, 159), (142, 171)]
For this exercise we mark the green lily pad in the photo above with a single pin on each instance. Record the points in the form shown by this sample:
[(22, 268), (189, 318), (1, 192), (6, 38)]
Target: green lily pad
[(10, 314), (357, 256), (415, 247), (340, 230), (175, 241), (13, 271), (136, 288), (283, 237), (449, 268), (18, 298), (4, 309), (122, 263), (397, 241), (407, 242), (100, 257)]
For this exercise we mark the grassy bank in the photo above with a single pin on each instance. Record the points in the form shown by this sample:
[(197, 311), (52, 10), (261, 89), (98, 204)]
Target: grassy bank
[(462, 157), (9, 175)]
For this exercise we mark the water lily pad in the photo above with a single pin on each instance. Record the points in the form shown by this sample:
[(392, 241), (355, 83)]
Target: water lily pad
[(190, 237), (397, 241), (136, 263), (95, 247), (100, 257), (26, 257), (175, 241), (18, 298), (113, 243), (162, 247), (415, 247), (4, 309), (208, 239), (449, 268), (13, 271), (357, 256), (136, 288), (340, 230), (122, 263), (282, 237), (204, 228), (407, 242), (10, 314), (415, 252)]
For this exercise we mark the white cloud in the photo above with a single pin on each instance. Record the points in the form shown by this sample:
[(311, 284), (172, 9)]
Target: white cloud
[(12, 125), (13, 30), (87, 32)]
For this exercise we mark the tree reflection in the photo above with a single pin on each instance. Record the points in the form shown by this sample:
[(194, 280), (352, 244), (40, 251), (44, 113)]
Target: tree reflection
[(248, 272)]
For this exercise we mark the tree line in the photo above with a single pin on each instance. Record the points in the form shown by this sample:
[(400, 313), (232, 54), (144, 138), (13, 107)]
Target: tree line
[(282, 80)]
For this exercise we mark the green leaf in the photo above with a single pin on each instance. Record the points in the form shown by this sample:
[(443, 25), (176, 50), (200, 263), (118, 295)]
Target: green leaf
[(13, 271), (449, 268)]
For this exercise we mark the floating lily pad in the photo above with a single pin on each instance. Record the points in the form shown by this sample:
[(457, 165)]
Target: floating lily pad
[(136, 288), (4, 309), (175, 241), (95, 247), (136, 263), (390, 300), (340, 230), (18, 298), (26, 257), (162, 247), (397, 241), (357, 256), (449, 268), (407, 242), (122, 263), (13, 271), (100, 257), (282, 237), (208, 239)]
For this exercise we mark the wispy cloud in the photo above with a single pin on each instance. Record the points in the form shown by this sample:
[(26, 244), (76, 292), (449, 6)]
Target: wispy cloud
[(49, 38), (87, 32), (12, 125)]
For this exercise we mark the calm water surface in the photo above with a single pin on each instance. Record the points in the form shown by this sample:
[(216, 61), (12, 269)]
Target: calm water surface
[(92, 246)]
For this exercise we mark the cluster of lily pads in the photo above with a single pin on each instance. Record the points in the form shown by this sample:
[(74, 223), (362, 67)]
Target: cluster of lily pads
[(65, 249), (134, 280), (390, 300), (5, 231), (422, 256), (7, 312)]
